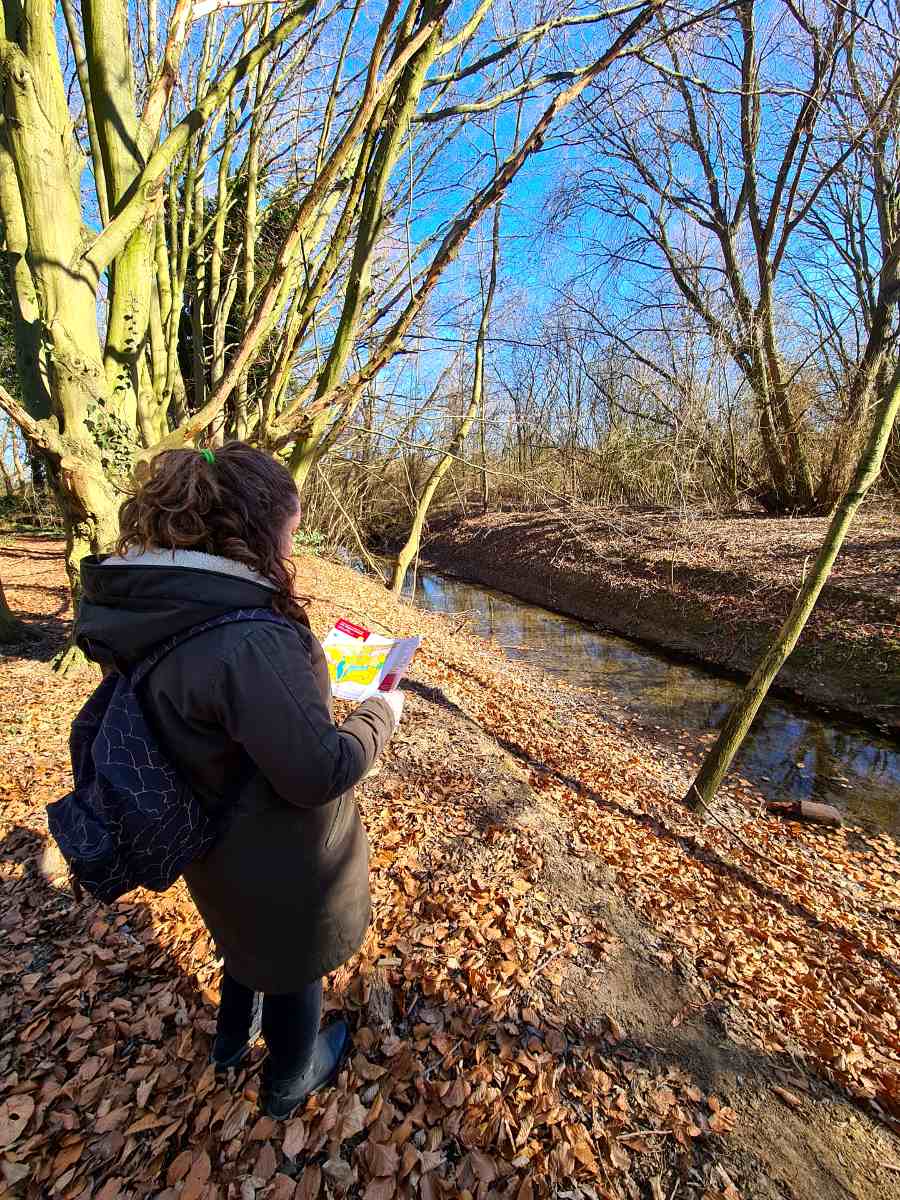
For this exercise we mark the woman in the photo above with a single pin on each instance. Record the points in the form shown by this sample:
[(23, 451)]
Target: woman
[(244, 712)]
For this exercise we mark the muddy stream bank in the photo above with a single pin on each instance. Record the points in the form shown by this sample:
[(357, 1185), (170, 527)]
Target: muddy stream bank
[(709, 589)]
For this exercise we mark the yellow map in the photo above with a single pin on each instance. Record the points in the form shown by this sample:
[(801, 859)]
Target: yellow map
[(359, 667), (361, 664)]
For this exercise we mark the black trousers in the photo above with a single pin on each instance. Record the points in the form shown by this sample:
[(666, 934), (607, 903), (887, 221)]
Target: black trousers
[(290, 1024)]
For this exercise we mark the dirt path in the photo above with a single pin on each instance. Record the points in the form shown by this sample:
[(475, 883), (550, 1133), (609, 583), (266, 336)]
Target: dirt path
[(712, 589), (803, 1141), (561, 995)]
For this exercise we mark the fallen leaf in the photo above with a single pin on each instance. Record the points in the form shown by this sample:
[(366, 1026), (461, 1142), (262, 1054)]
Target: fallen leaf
[(723, 1121), (584, 1152), (207, 1080), (367, 1070), (618, 1157), (283, 1188), (112, 1120), (179, 1167), (294, 1138), (15, 1113), (430, 1160), (263, 1129), (310, 1184), (67, 1157), (110, 1190), (788, 1097), (456, 1094), (353, 1118), (266, 1163), (145, 1090), (382, 1158), (14, 1172), (556, 1042), (379, 1189), (483, 1166), (236, 1120), (148, 1121), (340, 1172), (198, 1177)]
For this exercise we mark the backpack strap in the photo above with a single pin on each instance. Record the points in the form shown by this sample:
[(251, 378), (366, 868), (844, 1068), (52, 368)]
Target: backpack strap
[(146, 665)]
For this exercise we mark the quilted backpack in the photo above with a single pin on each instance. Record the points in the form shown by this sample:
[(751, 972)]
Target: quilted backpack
[(130, 820)]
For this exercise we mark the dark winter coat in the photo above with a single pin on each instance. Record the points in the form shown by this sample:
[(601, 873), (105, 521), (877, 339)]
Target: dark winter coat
[(244, 711)]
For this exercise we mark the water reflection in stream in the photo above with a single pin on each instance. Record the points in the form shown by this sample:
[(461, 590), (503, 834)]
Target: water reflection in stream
[(790, 753)]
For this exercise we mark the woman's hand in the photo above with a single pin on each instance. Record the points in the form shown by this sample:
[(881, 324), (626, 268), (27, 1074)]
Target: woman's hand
[(395, 702)]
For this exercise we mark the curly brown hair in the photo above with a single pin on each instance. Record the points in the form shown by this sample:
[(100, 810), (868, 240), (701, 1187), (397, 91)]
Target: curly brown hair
[(235, 506)]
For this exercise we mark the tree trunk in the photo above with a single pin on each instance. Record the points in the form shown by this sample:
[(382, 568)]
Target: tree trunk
[(411, 547), (393, 124), (739, 720), (12, 630), (9, 434), (90, 506), (131, 279), (44, 190), (484, 474)]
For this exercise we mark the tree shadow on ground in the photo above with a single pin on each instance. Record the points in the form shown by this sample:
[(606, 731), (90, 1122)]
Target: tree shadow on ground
[(658, 827), (30, 552), (626, 1071), (46, 635), (806, 1140), (38, 599), (709, 857), (665, 1021)]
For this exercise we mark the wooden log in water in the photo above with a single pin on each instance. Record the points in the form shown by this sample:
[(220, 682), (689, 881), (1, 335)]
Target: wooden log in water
[(805, 810), (822, 814)]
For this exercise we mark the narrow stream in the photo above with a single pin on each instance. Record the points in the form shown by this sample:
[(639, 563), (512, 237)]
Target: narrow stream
[(790, 754)]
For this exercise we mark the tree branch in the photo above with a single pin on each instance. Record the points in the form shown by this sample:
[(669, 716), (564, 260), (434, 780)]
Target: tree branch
[(42, 435), (374, 93), (461, 227), (147, 187)]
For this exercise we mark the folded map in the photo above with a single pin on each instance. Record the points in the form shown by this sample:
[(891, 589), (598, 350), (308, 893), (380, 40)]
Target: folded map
[(362, 663)]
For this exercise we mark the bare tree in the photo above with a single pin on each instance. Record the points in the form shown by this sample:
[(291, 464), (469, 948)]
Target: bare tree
[(850, 274), (244, 183), (724, 151)]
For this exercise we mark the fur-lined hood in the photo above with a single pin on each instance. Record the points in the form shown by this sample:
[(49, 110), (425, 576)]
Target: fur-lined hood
[(131, 604)]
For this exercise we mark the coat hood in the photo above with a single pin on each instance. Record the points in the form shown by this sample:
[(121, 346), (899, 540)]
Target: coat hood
[(130, 604)]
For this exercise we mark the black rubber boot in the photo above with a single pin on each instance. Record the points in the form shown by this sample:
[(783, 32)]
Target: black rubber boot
[(225, 1056), (227, 1052), (282, 1097)]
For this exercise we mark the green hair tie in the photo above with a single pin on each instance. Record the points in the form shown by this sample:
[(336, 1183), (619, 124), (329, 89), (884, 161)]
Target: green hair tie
[(208, 456)]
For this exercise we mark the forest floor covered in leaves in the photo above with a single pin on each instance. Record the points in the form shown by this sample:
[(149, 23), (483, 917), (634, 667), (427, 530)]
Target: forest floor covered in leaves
[(570, 988), (712, 588)]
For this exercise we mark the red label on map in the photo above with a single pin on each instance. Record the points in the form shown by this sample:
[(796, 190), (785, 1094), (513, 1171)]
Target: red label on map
[(352, 630)]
